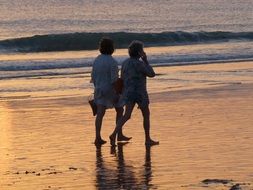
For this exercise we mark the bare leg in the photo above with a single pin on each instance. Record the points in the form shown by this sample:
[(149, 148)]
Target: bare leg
[(121, 137), (146, 124), (121, 122), (98, 124)]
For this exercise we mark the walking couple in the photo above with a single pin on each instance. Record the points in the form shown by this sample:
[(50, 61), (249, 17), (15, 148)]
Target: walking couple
[(105, 78)]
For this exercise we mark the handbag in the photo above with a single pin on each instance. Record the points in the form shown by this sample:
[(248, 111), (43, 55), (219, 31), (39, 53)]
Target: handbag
[(118, 86)]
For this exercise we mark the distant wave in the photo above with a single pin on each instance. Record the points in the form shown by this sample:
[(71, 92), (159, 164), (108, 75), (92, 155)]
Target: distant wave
[(89, 41), (63, 67), (44, 64)]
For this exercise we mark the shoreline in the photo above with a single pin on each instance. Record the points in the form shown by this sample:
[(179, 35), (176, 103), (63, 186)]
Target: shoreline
[(169, 79), (210, 62)]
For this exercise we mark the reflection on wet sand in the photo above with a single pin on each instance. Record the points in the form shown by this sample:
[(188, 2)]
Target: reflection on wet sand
[(124, 175), (148, 169), (5, 140)]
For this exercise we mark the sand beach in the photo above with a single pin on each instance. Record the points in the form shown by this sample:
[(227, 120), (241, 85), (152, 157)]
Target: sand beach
[(202, 117)]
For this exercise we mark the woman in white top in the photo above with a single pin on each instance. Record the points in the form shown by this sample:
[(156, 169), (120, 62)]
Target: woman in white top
[(104, 76)]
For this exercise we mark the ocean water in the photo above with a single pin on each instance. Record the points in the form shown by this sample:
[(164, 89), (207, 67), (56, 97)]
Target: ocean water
[(58, 38), (31, 17)]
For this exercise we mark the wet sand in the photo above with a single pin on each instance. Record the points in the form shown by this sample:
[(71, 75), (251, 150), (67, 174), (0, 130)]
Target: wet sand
[(205, 134)]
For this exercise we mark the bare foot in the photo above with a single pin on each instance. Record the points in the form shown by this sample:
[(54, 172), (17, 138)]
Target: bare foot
[(122, 143), (123, 138), (151, 142), (112, 139), (99, 142)]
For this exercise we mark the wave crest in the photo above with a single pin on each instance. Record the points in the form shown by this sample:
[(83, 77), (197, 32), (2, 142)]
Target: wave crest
[(89, 41)]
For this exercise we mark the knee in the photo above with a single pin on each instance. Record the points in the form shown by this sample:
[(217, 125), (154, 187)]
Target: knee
[(146, 113), (120, 111), (100, 113)]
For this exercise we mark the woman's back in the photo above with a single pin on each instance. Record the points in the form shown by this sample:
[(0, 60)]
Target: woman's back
[(104, 71), (104, 74), (134, 73)]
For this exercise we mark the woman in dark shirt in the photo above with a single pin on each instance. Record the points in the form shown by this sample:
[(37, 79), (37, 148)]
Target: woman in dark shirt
[(134, 73)]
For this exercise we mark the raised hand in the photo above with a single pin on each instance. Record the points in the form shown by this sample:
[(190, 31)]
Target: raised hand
[(143, 57)]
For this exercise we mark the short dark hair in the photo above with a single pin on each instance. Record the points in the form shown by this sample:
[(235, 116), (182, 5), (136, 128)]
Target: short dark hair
[(134, 48), (106, 46)]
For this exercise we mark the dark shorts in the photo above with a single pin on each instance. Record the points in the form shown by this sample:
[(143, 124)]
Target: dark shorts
[(141, 99)]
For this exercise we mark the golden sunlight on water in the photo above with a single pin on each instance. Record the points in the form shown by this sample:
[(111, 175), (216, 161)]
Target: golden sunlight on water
[(57, 55), (74, 54), (47, 55), (118, 52)]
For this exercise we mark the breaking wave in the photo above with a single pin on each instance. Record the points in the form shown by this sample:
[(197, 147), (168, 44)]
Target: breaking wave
[(89, 41)]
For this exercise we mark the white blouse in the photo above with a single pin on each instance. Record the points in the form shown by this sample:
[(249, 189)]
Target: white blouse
[(104, 74)]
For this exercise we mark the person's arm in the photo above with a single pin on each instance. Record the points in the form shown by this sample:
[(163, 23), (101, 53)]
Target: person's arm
[(117, 84), (122, 70), (145, 67), (92, 76), (114, 72)]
